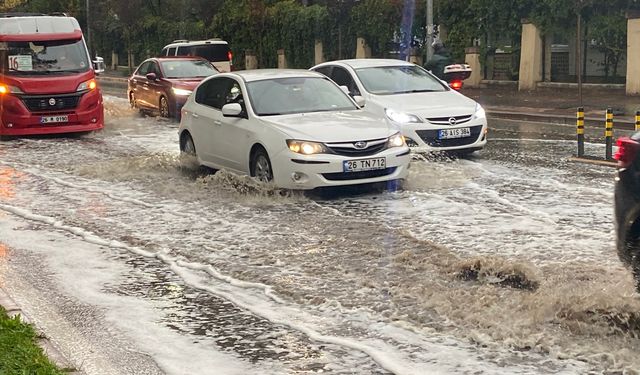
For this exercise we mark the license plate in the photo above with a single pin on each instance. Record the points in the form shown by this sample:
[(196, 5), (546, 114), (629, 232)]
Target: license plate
[(364, 164), (53, 119), (454, 133)]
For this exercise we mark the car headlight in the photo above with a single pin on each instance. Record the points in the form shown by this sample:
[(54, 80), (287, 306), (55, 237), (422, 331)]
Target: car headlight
[(396, 140), (181, 92), (306, 147), (87, 85), (480, 113), (401, 117), (6, 89)]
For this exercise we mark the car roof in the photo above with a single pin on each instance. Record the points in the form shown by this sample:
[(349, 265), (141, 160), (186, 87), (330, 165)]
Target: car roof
[(195, 42), (262, 74), (178, 58), (370, 63)]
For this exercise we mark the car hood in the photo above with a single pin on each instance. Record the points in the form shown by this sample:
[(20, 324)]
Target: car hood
[(429, 104), (332, 126), (49, 84)]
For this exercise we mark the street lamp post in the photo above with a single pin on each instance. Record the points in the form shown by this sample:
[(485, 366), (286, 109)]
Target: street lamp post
[(88, 28)]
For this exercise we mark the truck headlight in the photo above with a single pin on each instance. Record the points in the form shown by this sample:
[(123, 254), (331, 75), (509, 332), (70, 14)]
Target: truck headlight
[(87, 85), (6, 89), (401, 117)]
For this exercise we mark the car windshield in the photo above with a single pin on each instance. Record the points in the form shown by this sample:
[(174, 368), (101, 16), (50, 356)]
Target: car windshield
[(43, 57), (386, 80), (297, 95), (187, 68)]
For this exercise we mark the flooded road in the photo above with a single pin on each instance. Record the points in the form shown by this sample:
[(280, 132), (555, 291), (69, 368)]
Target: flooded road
[(133, 261)]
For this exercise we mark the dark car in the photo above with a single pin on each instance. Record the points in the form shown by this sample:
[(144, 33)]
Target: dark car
[(163, 84), (627, 203)]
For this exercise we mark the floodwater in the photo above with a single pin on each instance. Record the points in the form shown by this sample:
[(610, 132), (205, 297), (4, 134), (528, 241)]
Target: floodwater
[(134, 261)]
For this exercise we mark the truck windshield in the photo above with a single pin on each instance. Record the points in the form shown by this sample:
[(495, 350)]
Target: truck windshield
[(43, 57)]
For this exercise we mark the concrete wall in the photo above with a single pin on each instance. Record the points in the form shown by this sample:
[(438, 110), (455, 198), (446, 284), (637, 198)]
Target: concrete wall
[(633, 54), (530, 57), (472, 57)]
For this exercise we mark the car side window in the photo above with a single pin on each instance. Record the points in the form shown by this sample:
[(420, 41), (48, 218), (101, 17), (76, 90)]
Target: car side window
[(172, 51), (215, 92), (143, 69), (326, 70), (342, 78), (154, 68), (184, 50)]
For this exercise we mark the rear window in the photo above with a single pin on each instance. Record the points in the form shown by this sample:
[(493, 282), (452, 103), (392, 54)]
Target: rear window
[(212, 52)]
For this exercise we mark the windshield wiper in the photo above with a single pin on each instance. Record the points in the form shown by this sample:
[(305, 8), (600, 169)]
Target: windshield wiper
[(414, 91), (270, 114)]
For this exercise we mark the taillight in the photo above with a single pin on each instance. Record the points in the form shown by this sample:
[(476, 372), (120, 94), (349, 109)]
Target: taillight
[(627, 151), (456, 85), (230, 55)]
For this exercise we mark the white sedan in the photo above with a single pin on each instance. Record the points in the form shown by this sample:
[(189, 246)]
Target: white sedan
[(294, 128), (432, 116)]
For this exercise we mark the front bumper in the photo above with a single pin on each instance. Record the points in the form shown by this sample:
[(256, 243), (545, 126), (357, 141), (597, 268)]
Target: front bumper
[(17, 120), (424, 137), (305, 172)]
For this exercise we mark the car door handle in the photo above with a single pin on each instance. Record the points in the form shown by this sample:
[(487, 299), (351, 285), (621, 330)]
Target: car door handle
[(194, 115), (217, 122)]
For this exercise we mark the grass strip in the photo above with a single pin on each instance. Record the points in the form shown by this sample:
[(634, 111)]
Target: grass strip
[(19, 350)]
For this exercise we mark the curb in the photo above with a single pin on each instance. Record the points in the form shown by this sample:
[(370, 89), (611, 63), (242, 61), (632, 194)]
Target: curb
[(594, 161), (623, 124), (54, 355)]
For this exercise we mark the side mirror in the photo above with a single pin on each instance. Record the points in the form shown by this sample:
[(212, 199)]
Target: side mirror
[(151, 76), (359, 100), (345, 89), (98, 65), (232, 110)]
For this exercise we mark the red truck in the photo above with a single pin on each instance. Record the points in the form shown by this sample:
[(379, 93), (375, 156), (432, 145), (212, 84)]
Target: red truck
[(47, 80)]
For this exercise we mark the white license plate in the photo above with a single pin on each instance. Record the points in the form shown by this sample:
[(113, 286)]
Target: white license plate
[(364, 164), (454, 133), (53, 119)]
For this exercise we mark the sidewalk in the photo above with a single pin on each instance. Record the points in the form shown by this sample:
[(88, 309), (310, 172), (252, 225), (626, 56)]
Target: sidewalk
[(557, 104)]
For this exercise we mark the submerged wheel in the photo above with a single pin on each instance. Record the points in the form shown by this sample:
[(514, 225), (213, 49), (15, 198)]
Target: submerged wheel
[(261, 166), (187, 146), (132, 101), (164, 107)]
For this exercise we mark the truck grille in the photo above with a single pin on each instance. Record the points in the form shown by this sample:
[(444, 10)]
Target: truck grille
[(51, 103), (430, 137)]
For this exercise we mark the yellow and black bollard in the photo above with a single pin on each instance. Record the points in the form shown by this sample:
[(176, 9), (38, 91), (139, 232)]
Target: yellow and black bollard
[(608, 134), (638, 121), (580, 131)]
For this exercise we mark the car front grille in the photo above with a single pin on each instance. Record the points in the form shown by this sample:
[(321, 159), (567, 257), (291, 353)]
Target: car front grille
[(359, 175), (51, 103), (371, 147), (448, 120), (430, 137)]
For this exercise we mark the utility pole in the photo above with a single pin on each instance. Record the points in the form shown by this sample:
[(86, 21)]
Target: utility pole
[(579, 56), (88, 29), (429, 31)]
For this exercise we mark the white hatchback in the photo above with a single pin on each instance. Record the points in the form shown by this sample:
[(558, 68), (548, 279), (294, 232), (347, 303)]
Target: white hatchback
[(432, 116), (294, 128)]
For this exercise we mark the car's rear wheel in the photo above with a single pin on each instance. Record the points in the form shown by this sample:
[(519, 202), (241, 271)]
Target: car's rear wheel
[(164, 107), (261, 166)]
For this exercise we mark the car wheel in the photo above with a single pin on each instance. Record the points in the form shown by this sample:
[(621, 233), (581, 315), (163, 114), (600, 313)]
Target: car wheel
[(261, 166), (187, 146), (132, 101), (164, 107)]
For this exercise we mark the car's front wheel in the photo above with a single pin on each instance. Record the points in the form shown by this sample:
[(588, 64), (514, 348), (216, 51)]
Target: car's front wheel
[(187, 146), (261, 166)]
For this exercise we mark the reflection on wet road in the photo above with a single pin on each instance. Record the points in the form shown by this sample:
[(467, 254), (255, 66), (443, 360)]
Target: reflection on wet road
[(498, 263)]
